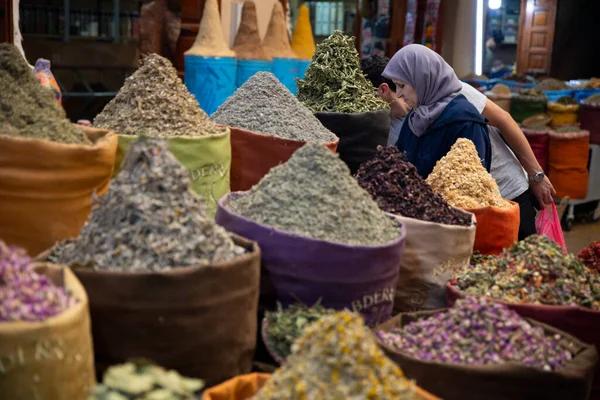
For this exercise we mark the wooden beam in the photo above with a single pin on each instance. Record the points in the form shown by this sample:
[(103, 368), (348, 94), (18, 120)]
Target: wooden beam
[(398, 25)]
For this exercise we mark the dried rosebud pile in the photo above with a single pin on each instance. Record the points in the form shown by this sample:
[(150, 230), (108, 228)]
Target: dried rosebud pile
[(397, 187), (24, 294), (590, 256), (534, 270), (477, 331)]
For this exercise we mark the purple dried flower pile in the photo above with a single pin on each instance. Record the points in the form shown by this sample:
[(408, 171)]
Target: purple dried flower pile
[(397, 187), (24, 294), (477, 331)]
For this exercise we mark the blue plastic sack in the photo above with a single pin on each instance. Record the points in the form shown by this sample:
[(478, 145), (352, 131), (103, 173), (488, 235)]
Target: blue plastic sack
[(286, 70), (210, 79), (247, 68)]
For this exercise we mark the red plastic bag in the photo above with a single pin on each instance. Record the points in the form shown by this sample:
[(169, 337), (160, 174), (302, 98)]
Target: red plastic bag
[(548, 223)]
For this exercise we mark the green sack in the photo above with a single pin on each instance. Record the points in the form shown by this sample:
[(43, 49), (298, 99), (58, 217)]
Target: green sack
[(207, 158), (522, 108)]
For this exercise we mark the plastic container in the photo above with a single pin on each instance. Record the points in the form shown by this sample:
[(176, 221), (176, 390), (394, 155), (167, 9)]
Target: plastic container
[(247, 68), (582, 94), (554, 95), (302, 67), (286, 70), (210, 79), (589, 116)]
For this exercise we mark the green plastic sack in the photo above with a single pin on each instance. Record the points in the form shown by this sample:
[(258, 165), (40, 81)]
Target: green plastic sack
[(522, 108), (207, 158)]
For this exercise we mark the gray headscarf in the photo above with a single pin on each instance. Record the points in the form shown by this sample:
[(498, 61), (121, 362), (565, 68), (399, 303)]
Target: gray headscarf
[(434, 80)]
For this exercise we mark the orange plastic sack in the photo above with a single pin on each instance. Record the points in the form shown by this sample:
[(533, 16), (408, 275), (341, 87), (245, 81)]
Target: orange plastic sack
[(254, 154), (497, 228), (46, 188), (568, 159)]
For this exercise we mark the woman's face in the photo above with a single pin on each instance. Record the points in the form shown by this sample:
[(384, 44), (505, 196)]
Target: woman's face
[(407, 93)]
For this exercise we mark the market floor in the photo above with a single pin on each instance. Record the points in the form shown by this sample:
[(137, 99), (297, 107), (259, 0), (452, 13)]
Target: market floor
[(581, 235)]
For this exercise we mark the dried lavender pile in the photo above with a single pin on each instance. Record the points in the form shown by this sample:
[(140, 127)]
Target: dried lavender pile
[(397, 187), (337, 358), (334, 81), (27, 108), (149, 220), (314, 195), (155, 102), (463, 334), (463, 182), (24, 294), (263, 104), (552, 84), (534, 270)]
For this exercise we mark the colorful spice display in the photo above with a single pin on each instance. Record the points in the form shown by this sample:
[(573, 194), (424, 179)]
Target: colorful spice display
[(277, 42), (590, 256), (303, 41), (285, 326), (462, 180), (552, 84), (210, 41), (534, 270), (29, 109), (149, 220), (263, 104), (144, 381), (26, 295), (155, 102), (314, 195), (248, 44), (337, 357), (477, 331), (397, 187), (334, 81)]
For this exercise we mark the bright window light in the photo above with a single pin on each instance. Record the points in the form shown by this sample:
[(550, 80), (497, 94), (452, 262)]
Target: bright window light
[(479, 38), (495, 4)]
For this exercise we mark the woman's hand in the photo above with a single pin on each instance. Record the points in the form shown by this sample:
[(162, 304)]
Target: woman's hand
[(399, 108), (543, 191)]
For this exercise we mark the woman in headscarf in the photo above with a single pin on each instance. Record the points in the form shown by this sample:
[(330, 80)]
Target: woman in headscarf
[(440, 114)]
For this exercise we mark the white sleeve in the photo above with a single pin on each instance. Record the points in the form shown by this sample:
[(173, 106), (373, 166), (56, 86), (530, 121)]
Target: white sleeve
[(474, 96)]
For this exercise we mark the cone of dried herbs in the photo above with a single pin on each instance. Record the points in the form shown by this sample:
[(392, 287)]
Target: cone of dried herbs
[(535, 270), (334, 81), (462, 180), (210, 41), (155, 102), (28, 109), (263, 104), (248, 44), (337, 357), (149, 220), (314, 195), (277, 42), (397, 187), (285, 326)]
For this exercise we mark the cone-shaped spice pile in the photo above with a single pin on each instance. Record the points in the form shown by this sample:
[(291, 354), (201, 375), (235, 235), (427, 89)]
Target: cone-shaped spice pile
[(334, 81), (149, 220), (303, 41), (462, 180), (210, 41), (248, 44), (27, 108), (277, 41), (337, 357)]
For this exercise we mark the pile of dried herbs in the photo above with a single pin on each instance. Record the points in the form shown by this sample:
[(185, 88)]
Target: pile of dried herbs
[(566, 100), (534, 270), (552, 85), (397, 187), (478, 258), (27, 108), (155, 102), (149, 220), (477, 331), (263, 104), (462, 180), (277, 41), (590, 256), (26, 295), (532, 95), (568, 129), (285, 326), (334, 81), (337, 357), (594, 99), (210, 41), (140, 380), (248, 44), (313, 195)]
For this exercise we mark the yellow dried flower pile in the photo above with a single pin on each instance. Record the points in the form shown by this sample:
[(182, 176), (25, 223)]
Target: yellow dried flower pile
[(462, 180), (338, 358)]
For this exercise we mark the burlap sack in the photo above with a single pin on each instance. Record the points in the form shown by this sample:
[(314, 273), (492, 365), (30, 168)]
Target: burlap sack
[(53, 359)]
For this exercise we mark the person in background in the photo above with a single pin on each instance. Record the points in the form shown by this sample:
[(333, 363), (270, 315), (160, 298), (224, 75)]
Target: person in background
[(373, 67)]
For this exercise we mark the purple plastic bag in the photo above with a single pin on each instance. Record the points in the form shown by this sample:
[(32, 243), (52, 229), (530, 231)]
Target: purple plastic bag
[(299, 269)]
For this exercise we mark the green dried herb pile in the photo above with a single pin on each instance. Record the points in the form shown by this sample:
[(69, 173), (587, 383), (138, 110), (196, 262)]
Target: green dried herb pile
[(314, 195), (141, 380), (149, 220), (534, 270), (334, 81), (337, 358), (552, 84), (155, 102), (27, 108), (285, 326)]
